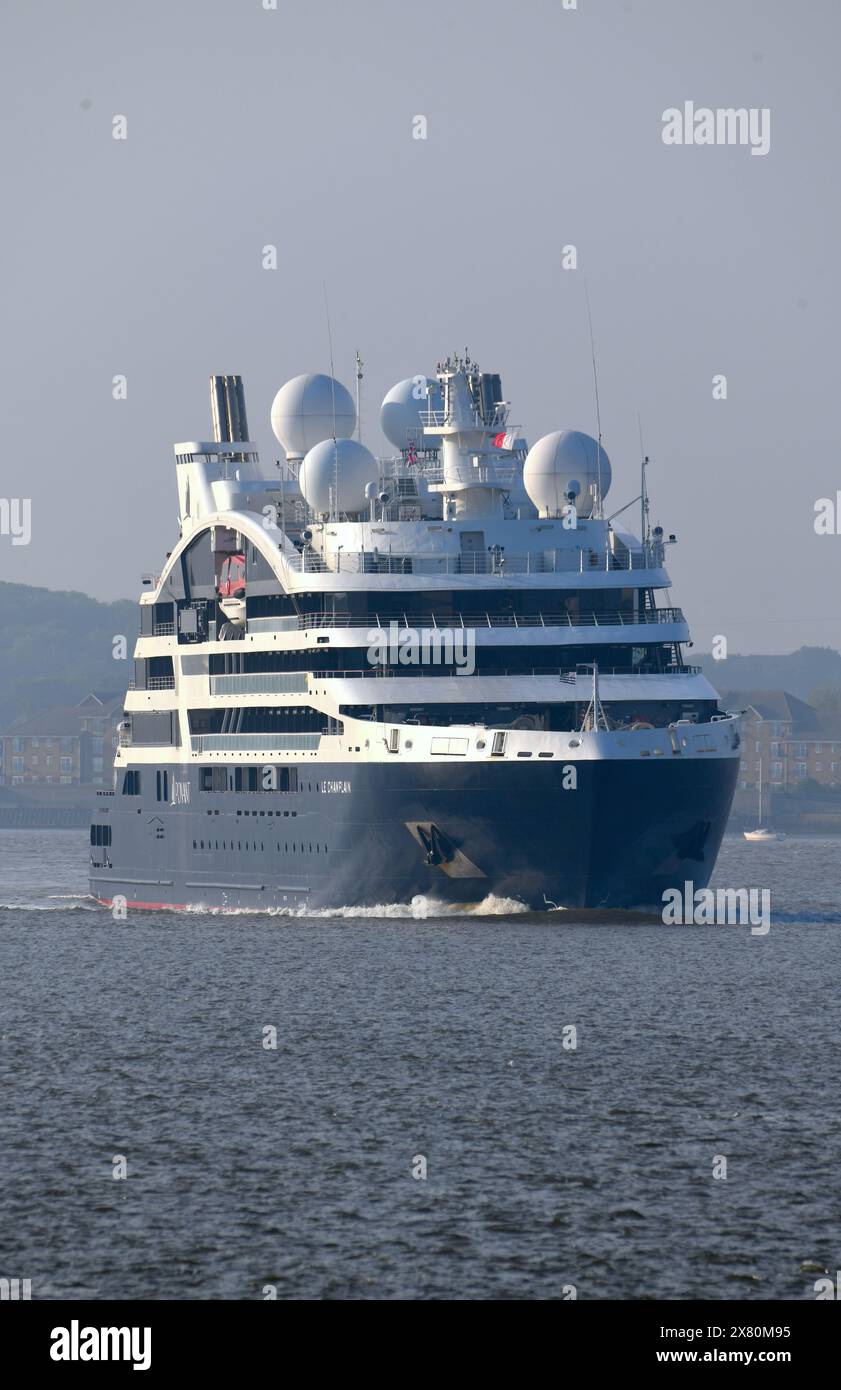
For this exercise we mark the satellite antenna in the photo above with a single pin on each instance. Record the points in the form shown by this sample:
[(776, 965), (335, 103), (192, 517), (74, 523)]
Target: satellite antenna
[(596, 387)]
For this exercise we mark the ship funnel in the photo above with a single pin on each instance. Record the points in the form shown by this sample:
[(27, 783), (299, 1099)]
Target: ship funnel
[(227, 409)]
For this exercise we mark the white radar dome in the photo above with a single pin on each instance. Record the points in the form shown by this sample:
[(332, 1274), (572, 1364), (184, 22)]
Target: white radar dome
[(343, 463), (304, 411), (565, 462), (401, 411)]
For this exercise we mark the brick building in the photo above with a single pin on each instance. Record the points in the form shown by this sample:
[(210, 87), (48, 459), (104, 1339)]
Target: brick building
[(786, 734), (68, 745)]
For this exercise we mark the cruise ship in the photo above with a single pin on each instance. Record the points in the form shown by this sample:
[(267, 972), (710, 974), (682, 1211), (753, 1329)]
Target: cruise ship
[(448, 673)]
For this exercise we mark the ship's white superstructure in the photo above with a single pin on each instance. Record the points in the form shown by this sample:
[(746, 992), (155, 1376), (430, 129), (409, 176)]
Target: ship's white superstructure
[(443, 671)]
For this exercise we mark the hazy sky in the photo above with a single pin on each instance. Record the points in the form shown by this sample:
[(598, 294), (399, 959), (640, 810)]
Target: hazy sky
[(293, 127)]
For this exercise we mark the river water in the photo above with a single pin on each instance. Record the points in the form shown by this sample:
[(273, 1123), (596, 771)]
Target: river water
[(412, 1039)]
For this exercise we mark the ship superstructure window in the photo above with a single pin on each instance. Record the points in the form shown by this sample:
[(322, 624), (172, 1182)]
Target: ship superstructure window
[(438, 659), (265, 778), (476, 605), (157, 619), (162, 787), (131, 783), (243, 719), (213, 779), (153, 673), (159, 726), (100, 834)]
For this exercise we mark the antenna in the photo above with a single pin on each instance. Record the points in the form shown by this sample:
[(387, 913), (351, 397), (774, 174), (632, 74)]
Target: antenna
[(644, 521), (596, 387), (335, 516), (359, 373)]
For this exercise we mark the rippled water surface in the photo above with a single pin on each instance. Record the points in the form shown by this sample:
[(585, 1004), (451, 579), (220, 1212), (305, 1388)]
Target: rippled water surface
[(405, 1032)]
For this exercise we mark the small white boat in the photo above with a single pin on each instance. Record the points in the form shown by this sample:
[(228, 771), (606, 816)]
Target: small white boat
[(762, 834)]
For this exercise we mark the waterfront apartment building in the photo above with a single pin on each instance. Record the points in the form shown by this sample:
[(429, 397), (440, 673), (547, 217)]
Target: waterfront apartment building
[(67, 745)]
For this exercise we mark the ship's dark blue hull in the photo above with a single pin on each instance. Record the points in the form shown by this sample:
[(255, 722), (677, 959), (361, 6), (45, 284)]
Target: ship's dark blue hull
[(384, 833)]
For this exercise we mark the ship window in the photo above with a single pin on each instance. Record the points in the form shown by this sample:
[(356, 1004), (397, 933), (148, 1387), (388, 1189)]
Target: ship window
[(131, 783), (213, 779)]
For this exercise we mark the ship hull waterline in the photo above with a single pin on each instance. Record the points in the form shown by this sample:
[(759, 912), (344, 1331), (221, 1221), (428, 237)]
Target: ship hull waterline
[(380, 834)]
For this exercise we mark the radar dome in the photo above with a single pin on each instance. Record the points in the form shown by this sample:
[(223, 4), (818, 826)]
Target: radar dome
[(564, 462), (401, 409), (346, 462), (304, 410)]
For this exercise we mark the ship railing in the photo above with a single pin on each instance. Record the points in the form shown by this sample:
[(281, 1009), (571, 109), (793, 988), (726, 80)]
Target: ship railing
[(439, 418), (301, 622), (296, 682), (163, 629), (581, 560), (253, 743), (153, 683), (562, 673)]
